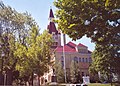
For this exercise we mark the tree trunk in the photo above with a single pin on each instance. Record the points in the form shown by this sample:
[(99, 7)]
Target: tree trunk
[(32, 78), (38, 80), (8, 77)]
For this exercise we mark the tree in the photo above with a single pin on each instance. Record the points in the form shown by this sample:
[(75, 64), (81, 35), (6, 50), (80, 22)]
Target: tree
[(26, 50), (105, 60), (34, 57), (59, 71), (14, 27), (98, 20), (74, 71)]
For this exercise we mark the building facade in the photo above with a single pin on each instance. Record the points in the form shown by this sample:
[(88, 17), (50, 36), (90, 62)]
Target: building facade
[(66, 54), (77, 53)]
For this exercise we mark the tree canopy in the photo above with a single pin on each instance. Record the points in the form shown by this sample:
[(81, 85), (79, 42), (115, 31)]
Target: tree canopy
[(98, 20), (24, 48)]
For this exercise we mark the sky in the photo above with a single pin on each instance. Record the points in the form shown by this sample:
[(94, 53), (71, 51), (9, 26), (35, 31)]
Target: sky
[(39, 10)]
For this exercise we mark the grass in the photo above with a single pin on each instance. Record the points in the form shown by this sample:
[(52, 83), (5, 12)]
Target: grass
[(99, 84), (93, 84)]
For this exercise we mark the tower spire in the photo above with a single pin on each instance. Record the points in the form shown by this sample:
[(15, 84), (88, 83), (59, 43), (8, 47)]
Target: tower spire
[(51, 13), (51, 26), (52, 29)]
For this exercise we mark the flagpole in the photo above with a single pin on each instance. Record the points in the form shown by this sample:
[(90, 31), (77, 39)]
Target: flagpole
[(64, 57)]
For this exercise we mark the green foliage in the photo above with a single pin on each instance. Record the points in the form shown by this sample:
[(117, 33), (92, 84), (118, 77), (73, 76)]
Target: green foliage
[(24, 48), (98, 20), (88, 17), (35, 56), (105, 60), (74, 70), (59, 71)]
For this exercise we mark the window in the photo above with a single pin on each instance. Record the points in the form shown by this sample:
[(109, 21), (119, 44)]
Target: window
[(82, 50), (86, 60), (79, 59), (82, 73), (76, 59), (82, 59), (56, 37)]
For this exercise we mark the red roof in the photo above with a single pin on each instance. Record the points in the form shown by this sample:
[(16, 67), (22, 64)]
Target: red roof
[(69, 47), (72, 45), (81, 45), (66, 49)]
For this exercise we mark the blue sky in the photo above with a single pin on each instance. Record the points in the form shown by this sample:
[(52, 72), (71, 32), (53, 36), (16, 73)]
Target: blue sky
[(39, 9)]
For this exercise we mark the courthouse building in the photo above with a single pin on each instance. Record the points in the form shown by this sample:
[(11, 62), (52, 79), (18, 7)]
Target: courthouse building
[(71, 51)]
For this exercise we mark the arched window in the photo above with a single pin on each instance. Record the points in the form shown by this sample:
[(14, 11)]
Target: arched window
[(76, 59), (83, 60), (79, 59)]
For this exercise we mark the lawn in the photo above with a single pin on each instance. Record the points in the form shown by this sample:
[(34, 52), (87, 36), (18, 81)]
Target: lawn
[(99, 84), (91, 84)]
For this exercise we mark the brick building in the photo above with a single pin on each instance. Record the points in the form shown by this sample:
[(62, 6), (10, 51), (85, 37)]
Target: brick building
[(71, 51)]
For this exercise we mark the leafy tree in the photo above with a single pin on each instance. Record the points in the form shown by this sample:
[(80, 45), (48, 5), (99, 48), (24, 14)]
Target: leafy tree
[(74, 70), (105, 60), (13, 27), (25, 49), (98, 20), (34, 57), (59, 71), (39, 50)]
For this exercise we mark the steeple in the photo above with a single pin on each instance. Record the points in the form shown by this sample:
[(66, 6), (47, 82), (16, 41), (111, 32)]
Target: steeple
[(51, 27), (51, 13), (52, 30)]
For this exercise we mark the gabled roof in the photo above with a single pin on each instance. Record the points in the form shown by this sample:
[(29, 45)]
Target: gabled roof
[(72, 45), (66, 49), (69, 47), (81, 45)]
